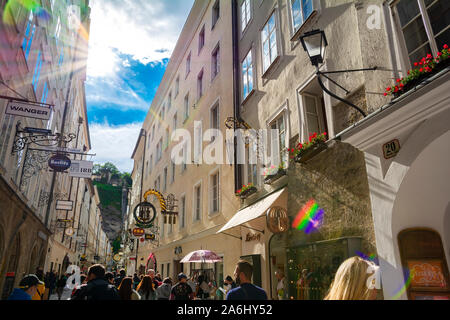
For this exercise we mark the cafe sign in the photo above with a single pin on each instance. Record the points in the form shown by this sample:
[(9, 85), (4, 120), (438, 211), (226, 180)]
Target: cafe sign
[(59, 163), (81, 169), (23, 109)]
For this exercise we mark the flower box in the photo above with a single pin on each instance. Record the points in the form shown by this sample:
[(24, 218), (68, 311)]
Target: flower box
[(306, 155), (271, 178), (424, 69), (248, 192)]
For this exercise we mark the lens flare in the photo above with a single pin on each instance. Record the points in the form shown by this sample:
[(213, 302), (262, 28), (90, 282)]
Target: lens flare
[(402, 290), (309, 218)]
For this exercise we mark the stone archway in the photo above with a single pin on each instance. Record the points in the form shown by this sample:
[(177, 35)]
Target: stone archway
[(33, 257)]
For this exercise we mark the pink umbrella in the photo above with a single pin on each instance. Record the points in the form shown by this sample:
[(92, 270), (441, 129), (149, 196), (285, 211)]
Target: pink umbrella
[(201, 256)]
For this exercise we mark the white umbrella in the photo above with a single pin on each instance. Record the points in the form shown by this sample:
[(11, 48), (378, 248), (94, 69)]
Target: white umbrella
[(201, 256)]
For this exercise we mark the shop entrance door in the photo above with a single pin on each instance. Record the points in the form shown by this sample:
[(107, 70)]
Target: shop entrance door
[(423, 258), (177, 268)]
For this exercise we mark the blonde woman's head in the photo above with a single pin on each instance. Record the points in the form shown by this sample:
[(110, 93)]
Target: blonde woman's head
[(350, 281)]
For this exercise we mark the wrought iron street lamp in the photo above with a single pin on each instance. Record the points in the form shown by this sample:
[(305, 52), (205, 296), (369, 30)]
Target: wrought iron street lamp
[(315, 43)]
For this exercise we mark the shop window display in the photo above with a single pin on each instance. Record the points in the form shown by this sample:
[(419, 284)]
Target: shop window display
[(311, 267)]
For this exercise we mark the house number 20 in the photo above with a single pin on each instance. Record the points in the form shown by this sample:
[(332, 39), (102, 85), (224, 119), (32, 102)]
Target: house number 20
[(391, 149)]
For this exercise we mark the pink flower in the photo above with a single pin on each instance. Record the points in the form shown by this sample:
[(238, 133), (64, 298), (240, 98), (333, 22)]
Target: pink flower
[(445, 46)]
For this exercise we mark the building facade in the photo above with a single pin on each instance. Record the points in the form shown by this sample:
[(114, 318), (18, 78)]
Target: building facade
[(43, 60)]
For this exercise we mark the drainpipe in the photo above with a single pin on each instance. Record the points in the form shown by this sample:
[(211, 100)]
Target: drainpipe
[(236, 89), (144, 134)]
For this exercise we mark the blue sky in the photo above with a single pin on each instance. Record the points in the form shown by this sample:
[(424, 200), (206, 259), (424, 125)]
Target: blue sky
[(129, 47)]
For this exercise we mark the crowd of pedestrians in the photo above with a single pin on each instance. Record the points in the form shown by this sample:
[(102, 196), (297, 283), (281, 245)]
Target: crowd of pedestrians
[(349, 284)]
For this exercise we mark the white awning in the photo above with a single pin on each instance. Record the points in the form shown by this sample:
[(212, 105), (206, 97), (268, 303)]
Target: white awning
[(252, 212)]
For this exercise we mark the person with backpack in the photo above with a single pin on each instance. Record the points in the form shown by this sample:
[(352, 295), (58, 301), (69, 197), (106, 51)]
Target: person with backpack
[(96, 288), (163, 291)]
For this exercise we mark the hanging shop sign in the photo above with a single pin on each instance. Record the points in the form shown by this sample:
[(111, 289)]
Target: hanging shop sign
[(150, 236), (144, 214), (391, 149), (23, 109), (64, 205), (62, 149), (277, 220), (81, 169), (117, 257), (69, 232), (138, 232), (178, 250), (59, 163)]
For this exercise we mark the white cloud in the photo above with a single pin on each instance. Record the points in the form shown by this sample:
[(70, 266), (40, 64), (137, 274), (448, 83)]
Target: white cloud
[(114, 144), (145, 30)]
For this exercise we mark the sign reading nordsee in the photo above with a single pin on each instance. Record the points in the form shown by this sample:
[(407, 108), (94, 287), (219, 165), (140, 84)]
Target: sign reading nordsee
[(17, 108)]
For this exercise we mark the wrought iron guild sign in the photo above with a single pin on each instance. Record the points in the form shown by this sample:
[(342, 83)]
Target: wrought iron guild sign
[(144, 214), (26, 137)]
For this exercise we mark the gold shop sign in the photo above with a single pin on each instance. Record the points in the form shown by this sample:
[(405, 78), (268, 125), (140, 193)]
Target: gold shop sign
[(253, 237)]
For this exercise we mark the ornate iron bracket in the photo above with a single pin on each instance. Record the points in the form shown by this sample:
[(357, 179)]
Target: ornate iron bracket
[(45, 197), (170, 215), (24, 138), (231, 123)]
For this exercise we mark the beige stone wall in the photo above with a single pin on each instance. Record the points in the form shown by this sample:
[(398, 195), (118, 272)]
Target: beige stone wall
[(337, 180)]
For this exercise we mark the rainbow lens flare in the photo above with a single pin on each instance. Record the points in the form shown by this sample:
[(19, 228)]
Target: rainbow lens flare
[(31, 5), (366, 257), (407, 284), (309, 218)]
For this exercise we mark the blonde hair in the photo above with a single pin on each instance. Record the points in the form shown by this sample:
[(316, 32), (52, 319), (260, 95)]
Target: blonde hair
[(350, 281)]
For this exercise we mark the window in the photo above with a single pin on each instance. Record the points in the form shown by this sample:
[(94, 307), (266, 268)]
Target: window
[(269, 42), (151, 163), (153, 131), (57, 30), (182, 212), (37, 71), (215, 118), (159, 150), (184, 164), (167, 139), (61, 56), (188, 64), (215, 62), (413, 19), (252, 167), (177, 86), (215, 13), (280, 125), (214, 182), (163, 112), (201, 39), (245, 14), (200, 85), (158, 183), (247, 74), (169, 101), (160, 118), (165, 179), (173, 172), (174, 124), (186, 107), (301, 10), (313, 112), (162, 269), (29, 35), (44, 93), (197, 202)]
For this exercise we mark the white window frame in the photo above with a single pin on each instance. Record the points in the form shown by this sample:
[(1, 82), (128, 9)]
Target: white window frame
[(282, 111), (250, 52), (319, 112), (247, 19), (215, 62), (165, 178), (315, 8), (186, 107), (200, 44), (194, 202), (266, 69), (210, 175), (406, 61), (183, 220), (188, 64), (216, 3), (216, 104), (200, 84), (177, 86)]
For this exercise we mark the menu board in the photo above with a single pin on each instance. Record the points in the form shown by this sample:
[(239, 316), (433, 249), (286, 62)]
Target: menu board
[(426, 274)]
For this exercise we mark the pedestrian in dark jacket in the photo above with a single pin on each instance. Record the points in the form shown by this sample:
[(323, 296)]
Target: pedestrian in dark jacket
[(50, 282), (119, 278), (60, 285), (97, 288), (136, 281)]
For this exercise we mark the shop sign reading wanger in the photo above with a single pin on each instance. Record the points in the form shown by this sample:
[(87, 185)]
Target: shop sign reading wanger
[(28, 110)]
